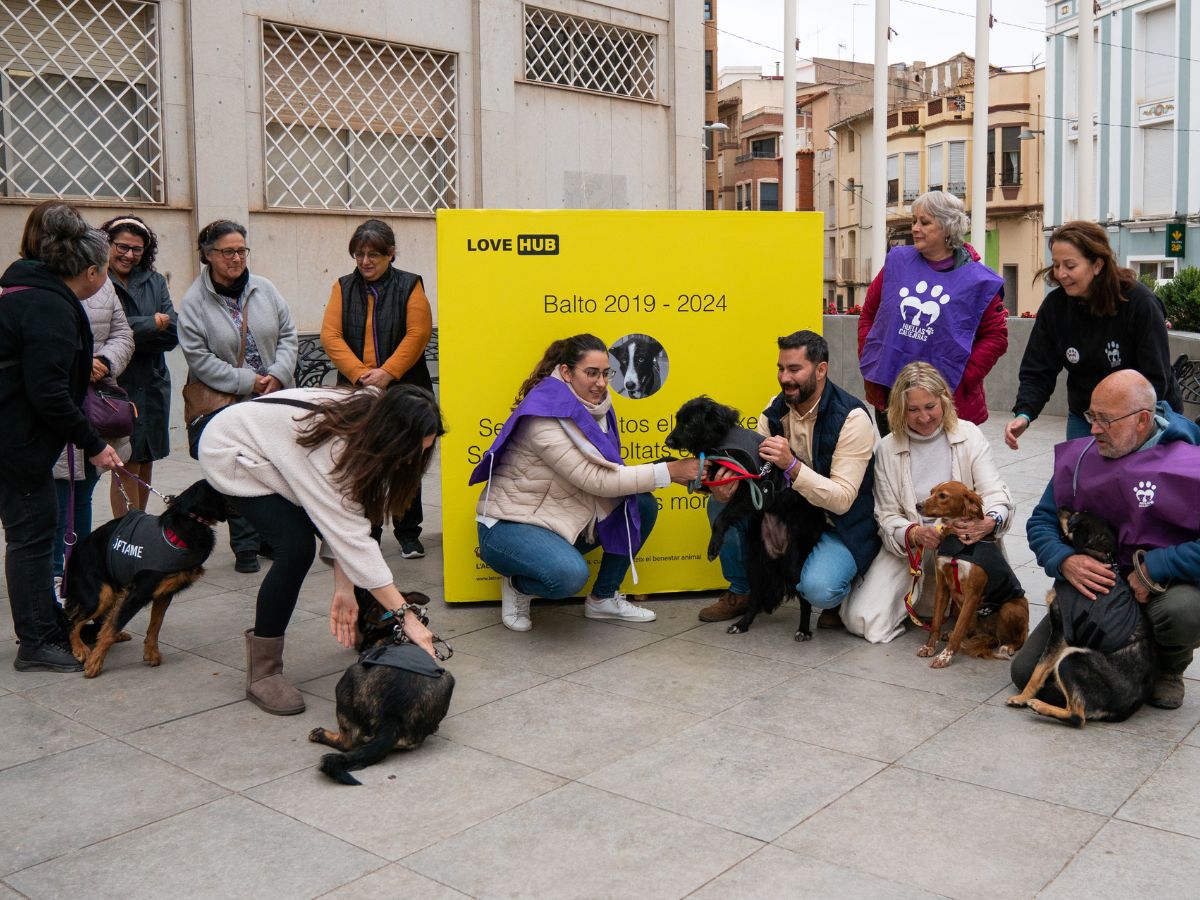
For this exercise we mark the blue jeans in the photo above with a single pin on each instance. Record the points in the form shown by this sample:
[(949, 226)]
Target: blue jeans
[(825, 580), (84, 487), (544, 564), (1077, 426)]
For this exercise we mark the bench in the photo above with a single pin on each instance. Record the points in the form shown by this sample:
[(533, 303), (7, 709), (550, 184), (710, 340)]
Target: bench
[(313, 367), (1187, 373)]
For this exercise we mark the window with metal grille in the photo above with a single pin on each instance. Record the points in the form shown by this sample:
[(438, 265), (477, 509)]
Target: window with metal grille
[(593, 56), (912, 177), (80, 101), (936, 168), (351, 123), (956, 182)]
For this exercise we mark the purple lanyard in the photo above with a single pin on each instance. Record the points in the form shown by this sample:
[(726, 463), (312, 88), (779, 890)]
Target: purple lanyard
[(375, 326)]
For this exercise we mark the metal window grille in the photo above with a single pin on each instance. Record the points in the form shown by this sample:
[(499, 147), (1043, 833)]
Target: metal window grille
[(580, 53), (352, 123), (80, 100)]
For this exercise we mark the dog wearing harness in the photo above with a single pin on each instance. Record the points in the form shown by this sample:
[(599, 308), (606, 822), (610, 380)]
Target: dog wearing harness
[(135, 561)]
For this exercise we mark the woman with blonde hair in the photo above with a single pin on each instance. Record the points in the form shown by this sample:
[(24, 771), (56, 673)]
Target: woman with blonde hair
[(928, 444)]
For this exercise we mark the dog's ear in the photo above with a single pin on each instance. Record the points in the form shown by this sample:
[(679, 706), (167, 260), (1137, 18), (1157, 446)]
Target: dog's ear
[(974, 505), (655, 347), (1064, 520)]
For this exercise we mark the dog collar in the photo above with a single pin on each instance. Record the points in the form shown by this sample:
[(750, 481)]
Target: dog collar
[(172, 537)]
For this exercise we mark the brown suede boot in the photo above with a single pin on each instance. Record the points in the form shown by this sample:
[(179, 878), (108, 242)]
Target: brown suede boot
[(266, 687), (830, 618), (726, 606)]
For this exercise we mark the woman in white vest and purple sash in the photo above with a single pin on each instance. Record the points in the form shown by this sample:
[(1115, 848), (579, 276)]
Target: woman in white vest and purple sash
[(933, 302)]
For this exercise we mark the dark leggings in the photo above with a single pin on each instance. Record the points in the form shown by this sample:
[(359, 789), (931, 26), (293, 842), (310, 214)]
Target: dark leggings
[(292, 536)]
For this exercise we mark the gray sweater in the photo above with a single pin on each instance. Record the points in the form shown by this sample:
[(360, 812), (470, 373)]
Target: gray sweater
[(211, 343)]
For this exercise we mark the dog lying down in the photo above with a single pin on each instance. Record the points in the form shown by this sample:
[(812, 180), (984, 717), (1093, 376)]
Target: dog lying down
[(135, 561), (1100, 654), (782, 527), (976, 582), (394, 697)]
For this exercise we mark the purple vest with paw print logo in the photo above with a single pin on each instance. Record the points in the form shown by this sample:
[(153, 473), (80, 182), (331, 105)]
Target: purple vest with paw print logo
[(926, 315), (1152, 497)]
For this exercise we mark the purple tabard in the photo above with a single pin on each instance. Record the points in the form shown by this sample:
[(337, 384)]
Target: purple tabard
[(1152, 497), (551, 398), (926, 315)]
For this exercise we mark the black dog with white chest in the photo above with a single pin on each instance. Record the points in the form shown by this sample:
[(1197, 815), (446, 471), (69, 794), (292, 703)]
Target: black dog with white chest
[(639, 366), (783, 527)]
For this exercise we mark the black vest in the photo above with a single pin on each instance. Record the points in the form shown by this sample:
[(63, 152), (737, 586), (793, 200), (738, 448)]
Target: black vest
[(389, 320), (856, 526), (138, 544)]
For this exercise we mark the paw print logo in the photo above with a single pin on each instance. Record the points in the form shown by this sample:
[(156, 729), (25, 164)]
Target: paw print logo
[(1113, 351), (1145, 493), (916, 304)]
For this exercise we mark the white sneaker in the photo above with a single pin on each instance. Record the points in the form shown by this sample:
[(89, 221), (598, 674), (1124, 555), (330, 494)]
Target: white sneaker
[(514, 606), (616, 607)]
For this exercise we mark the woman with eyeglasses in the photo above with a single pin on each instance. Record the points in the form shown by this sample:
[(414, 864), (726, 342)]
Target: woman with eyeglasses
[(1099, 318), (557, 489), (376, 327), (146, 299), (239, 339)]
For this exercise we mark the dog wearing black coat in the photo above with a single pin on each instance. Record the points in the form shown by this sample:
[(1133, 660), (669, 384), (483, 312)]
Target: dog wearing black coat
[(783, 527), (134, 561), (381, 707), (1100, 676)]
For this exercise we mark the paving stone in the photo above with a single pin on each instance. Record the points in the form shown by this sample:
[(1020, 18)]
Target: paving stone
[(127, 698), (687, 676), (60, 803), (775, 638), (1016, 750), (1126, 860), (899, 824), (12, 680), (565, 728), (777, 874), (204, 853), (745, 781), (239, 745), (557, 644), (675, 613), (853, 715), (422, 796), (309, 651), (394, 881), (31, 731), (579, 842), (207, 620), (1168, 798)]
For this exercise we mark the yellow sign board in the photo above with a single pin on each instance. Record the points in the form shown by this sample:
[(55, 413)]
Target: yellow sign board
[(707, 293)]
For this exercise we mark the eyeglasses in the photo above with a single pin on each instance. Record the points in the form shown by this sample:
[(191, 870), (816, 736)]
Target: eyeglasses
[(231, 252), (1105, 422), (598, 374), (128, 249), (369, 256)]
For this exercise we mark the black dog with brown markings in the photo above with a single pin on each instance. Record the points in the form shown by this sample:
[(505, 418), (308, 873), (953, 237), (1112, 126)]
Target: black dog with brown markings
[(1101, 652), (134, 561), (782, 527), (381, 707)]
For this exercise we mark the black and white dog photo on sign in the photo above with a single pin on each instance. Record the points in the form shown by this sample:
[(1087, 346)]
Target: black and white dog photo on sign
[(639, 364)]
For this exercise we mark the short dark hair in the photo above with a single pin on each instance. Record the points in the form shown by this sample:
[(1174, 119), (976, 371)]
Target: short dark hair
[(815, 347), (213, 232), (374, 235)]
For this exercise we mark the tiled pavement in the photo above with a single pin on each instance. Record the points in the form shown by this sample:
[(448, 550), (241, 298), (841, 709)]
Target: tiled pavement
[(589, 759)]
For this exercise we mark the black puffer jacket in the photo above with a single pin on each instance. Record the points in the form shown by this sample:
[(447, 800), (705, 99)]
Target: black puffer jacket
[(45, 365)]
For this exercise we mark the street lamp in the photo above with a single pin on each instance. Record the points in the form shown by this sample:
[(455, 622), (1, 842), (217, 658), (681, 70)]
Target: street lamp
[(1029, 134), (715, 126)]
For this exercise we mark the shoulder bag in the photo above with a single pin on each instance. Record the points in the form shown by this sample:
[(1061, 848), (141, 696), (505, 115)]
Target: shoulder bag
[(201, 400)]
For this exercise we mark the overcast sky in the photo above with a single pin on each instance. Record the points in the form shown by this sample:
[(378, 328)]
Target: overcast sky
[(923, 33)]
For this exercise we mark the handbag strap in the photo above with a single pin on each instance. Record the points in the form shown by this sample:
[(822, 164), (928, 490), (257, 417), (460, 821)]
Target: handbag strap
[(245, 324), (69, 536)]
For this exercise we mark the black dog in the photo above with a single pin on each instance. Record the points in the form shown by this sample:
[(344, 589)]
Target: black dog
[(783, 527), (381, 706), (638, 366), (134, 561), (1101, 652)]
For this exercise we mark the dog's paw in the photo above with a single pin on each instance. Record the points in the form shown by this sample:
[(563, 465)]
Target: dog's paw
[(803, 636), (926, 651), (737, 628), (1017, 700), (92, 667), (317, 735), (941, 660), (1004, 652), (152, 658), (1039, 707), (123, 636)]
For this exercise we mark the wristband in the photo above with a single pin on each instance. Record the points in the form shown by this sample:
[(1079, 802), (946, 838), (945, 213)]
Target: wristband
[(787, 473), (1025, 416), (997, 518)]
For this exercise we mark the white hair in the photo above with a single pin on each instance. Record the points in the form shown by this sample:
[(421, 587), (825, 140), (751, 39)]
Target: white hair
[(948, 211)]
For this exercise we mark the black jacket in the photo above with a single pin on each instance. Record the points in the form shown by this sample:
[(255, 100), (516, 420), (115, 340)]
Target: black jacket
[(46, 359), (1091, 347), (146, 377)]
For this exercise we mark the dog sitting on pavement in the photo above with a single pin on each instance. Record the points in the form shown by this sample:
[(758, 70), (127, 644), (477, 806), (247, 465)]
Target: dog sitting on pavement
[(394, 697), (1100, 654)]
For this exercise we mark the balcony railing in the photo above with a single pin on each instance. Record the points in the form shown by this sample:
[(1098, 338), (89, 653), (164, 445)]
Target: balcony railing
[(757, 154)]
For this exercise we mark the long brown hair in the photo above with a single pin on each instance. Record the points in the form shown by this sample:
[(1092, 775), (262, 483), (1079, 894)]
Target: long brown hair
[(563, 352), (31, 236), (382, 461), (1113, 282)]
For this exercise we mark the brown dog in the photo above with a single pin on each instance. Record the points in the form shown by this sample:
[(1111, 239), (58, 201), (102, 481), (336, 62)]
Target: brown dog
[(976, 582)]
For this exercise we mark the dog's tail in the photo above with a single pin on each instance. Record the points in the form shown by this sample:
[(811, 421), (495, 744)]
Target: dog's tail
[(338, 765)]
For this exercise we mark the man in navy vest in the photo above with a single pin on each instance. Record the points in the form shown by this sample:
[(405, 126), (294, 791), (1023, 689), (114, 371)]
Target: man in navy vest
[(824, 441), (1139, 470)]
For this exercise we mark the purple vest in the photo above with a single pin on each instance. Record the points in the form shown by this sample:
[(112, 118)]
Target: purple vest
[(926, 315), (620, 531), (1152, 497)]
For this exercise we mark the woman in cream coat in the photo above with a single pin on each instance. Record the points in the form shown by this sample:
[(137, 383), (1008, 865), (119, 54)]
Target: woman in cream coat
[(929, 444)]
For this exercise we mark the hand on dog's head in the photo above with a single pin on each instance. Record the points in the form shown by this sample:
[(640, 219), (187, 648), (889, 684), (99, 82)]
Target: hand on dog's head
[(700, 425), (373, 628)]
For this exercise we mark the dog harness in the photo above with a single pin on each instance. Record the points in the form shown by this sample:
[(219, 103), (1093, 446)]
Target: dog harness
[(406, 656), (738, 453), (140, 543), (1002, 584)]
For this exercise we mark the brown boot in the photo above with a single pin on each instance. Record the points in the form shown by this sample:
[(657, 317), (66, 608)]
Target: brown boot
[(726, 606), (266, 687), (1168, 691), (830, 618)]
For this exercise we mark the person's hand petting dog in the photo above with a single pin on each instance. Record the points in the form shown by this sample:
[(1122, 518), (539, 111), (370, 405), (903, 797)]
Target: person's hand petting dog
[(343, 610), (971, 531), (683, 470), (1089, 576)]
